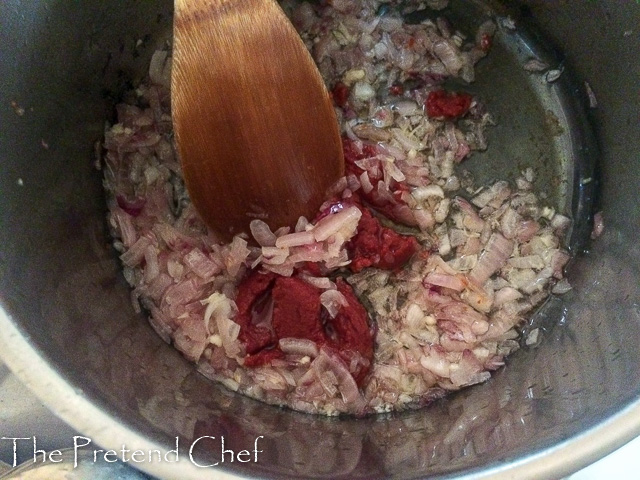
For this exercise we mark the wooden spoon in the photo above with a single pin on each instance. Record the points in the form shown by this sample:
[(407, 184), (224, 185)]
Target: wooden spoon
[(255, 127)]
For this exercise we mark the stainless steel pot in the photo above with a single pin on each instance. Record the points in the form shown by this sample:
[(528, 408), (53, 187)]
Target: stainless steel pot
[(68, 330)]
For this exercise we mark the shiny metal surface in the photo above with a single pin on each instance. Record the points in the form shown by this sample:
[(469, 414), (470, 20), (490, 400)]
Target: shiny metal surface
[(72, 465), (68, 330)]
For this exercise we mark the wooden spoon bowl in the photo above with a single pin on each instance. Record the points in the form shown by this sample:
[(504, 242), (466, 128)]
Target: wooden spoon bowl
[(254, 124)]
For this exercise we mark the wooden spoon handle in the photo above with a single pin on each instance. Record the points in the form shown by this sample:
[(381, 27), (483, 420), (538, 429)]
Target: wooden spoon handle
[(252, 116)]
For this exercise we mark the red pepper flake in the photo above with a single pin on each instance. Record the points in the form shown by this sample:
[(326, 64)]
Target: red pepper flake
[(486, 42), (447, 105), (377, 246), (396, 89), (340, 94)]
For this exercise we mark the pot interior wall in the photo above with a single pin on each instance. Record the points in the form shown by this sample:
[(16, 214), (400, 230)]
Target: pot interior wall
[(60, 283)]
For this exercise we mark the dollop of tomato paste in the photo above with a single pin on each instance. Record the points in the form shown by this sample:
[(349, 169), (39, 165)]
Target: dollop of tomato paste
[(375, 245), (271, 307), (255, 310), (447, 105)]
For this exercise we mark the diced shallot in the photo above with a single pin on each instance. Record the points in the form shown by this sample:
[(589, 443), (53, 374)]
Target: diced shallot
[(345, 220), (468, 371), (295, 239), (125, 225), (346, 383), (262, 233), (531, 261), (563, 286), (182, 293), (444, 280), (235, 255), (492, 258), (333, 300), (134, 255), (160, 68), (201, 264), (298, 346), (423, 193), (220, 308), (506, 294), (152, 265)]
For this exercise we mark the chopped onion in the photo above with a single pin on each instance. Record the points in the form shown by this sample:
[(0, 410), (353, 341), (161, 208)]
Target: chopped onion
[(365, 182), (558, 260), (449, 55), (219, 307), (506, 294), (295, 239), (468, 371), (235, 256), (444, 280), (563, 286), (509, 222), (298, 346), (391, 171), (134, 255), (182, 292), (323, 283), (438, 364), (346, 384), (395, 152), (125, 225), (531, 261), (527, 229), (492, 258), (202, 265), (439, 325), (560, 223), (422, 193), (152, 266), (158, 287), (191, 338), (333, 300), (408, 141), (262, 233), (363, 91), (274, 255), (346, 219), (406, 107), (470, 217), (160, 68)]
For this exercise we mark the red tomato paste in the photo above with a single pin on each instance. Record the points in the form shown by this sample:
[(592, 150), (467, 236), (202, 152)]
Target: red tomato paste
[(271, 307), (447, 105), (378, 246)]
